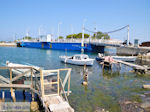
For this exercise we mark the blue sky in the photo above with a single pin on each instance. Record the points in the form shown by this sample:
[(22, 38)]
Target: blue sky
[(19, 16)]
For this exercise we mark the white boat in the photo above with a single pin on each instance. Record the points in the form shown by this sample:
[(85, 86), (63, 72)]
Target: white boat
[(79, 59), (101, 57), (20, 71), (125, 58)]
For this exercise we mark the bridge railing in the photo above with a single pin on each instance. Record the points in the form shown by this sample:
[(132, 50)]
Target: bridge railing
[(104, 41)]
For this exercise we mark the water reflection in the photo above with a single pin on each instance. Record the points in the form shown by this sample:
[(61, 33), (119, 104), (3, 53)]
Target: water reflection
[(109, 74)]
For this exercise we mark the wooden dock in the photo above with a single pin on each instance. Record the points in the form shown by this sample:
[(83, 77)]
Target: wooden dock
[(49, 87), (137, 68)]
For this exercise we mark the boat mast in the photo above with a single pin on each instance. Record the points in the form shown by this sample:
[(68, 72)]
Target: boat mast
[(128, 36)]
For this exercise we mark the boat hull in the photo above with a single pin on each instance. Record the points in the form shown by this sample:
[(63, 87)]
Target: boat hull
[(125, 58), (75, 62), (61, 46), (99, 59)]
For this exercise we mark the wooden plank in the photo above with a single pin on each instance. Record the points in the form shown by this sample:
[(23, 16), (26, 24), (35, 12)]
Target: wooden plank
[(20, 75), (42, 85), (66, 78), (131, 64), (31, 77), (69, 85), (58, 82), (4, 79), (14, 86), (64, 69), (11, 89), (50, 95), (47, 71), (16, 67), (48, 83), (63, 90), (32, 84)]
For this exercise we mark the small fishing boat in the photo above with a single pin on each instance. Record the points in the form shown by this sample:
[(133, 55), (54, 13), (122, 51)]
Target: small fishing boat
[(78, 59), (20, 71), (101, 57), (125, 58)]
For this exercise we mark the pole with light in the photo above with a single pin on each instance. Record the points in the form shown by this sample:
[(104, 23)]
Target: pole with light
[(82, 42)]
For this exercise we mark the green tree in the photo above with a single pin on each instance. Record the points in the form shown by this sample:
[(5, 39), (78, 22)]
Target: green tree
[(77, 36), (100, 35), (60, 37), (27, 37), (71, 36)]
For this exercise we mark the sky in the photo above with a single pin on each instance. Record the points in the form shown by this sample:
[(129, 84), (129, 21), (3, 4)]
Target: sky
[(17, 17)]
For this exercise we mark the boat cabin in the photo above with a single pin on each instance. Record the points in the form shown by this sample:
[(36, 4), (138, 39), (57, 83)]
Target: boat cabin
[(79, 57)]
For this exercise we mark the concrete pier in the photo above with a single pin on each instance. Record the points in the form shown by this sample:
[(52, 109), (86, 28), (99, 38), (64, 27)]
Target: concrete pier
[(129, 50), (3, 44)]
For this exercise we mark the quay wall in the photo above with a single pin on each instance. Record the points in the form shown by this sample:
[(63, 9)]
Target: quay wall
[(127, 50), (8, 44)]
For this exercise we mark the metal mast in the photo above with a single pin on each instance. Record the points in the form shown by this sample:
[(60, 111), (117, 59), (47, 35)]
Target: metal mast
[(128, 36)]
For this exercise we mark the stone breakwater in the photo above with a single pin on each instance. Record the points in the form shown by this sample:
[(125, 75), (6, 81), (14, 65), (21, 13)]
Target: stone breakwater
[(129, 50), (8, 44)]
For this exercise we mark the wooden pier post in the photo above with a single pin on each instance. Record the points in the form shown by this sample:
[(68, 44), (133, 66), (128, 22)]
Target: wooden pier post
[(32, 83), (11, 89), (42, 85), (68, 92)]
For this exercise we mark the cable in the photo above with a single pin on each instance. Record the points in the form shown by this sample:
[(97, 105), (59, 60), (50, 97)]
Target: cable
[(109, 31)]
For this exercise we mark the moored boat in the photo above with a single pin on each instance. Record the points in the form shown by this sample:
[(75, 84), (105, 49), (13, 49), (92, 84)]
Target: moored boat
[(20, 71), (125, 58), (78, 59), (101, 57)]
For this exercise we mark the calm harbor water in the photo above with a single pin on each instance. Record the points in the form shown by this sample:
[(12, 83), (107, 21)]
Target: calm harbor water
[(104, 89)]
